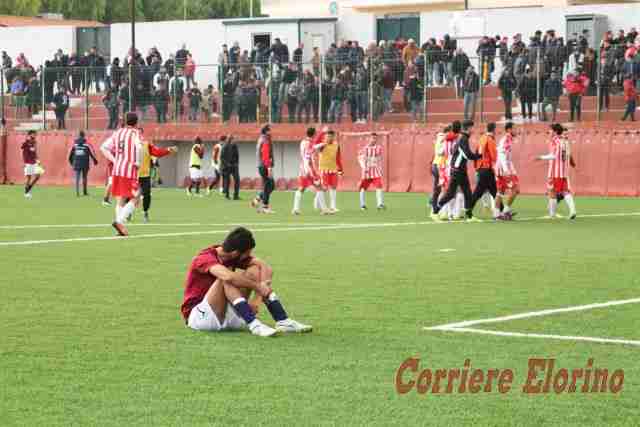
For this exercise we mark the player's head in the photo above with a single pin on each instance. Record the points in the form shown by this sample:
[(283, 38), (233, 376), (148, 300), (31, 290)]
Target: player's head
[(557, 129), (311, 132), (239, 243), (331, 135), (373, 138), (491, 127), (131, 119), (197, 141), (508, 127), (456, 126), (223, 138), (467, 125), (447, 129), (31, 135), (266, 130)]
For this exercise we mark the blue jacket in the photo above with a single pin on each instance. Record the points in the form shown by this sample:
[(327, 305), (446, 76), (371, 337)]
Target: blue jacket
[(80, 155)]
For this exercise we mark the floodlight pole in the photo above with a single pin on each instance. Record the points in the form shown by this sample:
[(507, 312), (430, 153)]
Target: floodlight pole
[(251, 8), (133, 53)]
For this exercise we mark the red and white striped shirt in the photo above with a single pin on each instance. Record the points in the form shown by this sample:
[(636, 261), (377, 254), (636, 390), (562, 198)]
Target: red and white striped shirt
[(370, 158), (126, 146), (504, 165), (306, 158), (561, 151)]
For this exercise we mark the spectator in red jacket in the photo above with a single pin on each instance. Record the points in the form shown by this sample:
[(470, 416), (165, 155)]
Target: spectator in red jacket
[(630, 97), (576, 85)]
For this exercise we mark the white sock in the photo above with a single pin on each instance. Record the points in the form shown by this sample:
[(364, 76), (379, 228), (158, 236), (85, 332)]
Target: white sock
[(333, 195), (319, 201), (492, 204), (380, 197), (362, 199), (448, 209), (486, 200), (316, 201), (507, 208), (459, 204), (571, 203), (297, 198), (126, 211), (118, 210), (553, 206)]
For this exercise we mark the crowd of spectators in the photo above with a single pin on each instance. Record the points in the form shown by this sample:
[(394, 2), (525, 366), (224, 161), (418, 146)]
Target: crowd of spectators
[(345, 82)]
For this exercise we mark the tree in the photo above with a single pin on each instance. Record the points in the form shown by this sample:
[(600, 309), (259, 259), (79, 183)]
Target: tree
[(20, 7)]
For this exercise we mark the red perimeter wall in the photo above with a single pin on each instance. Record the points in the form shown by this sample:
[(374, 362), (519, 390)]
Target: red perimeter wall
[(608, 159)]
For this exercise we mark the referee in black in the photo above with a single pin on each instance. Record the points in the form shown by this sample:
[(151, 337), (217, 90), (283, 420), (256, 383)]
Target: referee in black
[(230, 166), (460, 155)]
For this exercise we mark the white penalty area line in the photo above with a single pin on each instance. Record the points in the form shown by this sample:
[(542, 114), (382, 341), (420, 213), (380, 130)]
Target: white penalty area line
[(151, 225), (300, 227), (466, 325)]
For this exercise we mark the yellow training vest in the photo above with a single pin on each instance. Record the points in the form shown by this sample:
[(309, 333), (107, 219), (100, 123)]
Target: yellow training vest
[(145, 167), (195, 159), (327, 159)]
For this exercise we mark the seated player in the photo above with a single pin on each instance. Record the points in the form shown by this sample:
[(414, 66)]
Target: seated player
[(309, 177), (216, 296)]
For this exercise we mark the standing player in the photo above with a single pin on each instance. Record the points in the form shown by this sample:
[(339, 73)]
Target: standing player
[(127, 146), (216, 297), (508, 182), (484, 167), (438, 163), (330, 165), (560, 159), (370, 159), (149, 151), (195, 167), (216, 180), (32, 169), (308, 177), (265, 162)]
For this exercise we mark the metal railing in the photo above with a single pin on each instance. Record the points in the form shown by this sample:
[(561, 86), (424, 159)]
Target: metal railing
[(376, 87)]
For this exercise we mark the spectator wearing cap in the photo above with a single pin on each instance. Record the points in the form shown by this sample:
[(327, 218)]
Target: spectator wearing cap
[(471, 88), (576, 85)]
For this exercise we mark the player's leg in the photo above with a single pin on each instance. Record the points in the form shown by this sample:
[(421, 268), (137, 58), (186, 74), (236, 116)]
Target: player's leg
[(363, 187), (515, 191), (481, 188), (466, 194), (449, 195), (85, 177), (106, 199), (27, 181), (553, 201), (77, 173), (379, 193), (437, 188), (34, 180), (145, 188), (297, 196), (568, 198), (319, 199)]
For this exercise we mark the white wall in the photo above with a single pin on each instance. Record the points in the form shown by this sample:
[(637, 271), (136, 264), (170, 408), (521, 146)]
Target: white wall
[(323, 32), (286, 32), (37, 43), (353, 25), (204, 40)]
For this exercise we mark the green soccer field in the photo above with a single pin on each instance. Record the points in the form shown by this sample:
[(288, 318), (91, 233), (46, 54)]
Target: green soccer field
[(91, 332)]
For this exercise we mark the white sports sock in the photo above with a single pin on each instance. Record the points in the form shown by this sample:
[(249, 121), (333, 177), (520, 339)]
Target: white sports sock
[(362, 199), (507, 208), (571, 203), (126, 211), (316, 201), (448, 208), (297, 198), (333, 195), (553, 206), (459, 205), (380, 197), (486, 200), (492, 204), (118, 211), (320, 201)]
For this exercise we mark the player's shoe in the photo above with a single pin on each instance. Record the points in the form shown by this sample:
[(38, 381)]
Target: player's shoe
[(295, 212), (559, 216), (145, 219), (106, 203), (199, 195), (267, 210), (208, 192), (436, 217), (382, 208), (28, 195), (473, 219), (572, 217), (120, 229), (262, 330), (255, 202), (189, 194), (325, 212), (292, 326), (334, 211), (363, 208)]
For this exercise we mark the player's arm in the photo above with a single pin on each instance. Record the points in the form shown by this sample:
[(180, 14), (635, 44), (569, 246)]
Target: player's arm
[(549, 156), (106, 149), (339, 160), (156, 151), (572, 162), (240, 279)]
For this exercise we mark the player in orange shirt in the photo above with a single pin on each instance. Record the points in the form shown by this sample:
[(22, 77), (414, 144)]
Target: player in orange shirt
[(484, 167)]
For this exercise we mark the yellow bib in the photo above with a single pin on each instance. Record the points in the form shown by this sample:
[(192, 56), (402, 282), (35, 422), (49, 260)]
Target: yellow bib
[(145, 166), (195, 159), (327, 159)]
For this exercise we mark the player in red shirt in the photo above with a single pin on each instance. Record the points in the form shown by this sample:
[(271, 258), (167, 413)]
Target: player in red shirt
[(32, 170), (560, 159), (370, 158), (309, 176), (127, 145), (216, 296)]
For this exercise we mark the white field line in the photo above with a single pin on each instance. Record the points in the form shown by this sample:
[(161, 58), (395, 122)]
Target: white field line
[(544, 336), (465, 326), (318, 224), (283, 229)]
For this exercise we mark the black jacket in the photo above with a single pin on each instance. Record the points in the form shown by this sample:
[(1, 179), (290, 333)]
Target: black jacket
[(229, 156), (553, 88), (461, 153), (80, 155)]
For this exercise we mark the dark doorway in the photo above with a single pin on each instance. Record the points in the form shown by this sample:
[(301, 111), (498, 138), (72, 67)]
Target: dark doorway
[(264, 38), (405, 27)]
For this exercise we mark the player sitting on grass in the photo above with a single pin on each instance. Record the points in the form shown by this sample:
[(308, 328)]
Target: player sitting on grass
[(216, 296)]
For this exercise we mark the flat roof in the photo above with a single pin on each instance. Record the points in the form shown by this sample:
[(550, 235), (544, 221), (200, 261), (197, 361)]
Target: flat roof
[(33, 21), (258, 21)]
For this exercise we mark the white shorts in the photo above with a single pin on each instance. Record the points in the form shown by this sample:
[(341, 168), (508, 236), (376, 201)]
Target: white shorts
[(195, 174), (202, 318), (33, 169)]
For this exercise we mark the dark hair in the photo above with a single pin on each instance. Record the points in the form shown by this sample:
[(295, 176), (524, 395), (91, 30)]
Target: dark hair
[(311, 132), (467, 124), (331, 132), (265, 129), (131, 119), (508, 125), (81, 134), (447, 129), (557, 128), (240, 240), (491, 127), (456, 126), (31, 132), (223, 138), (198, 140)]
